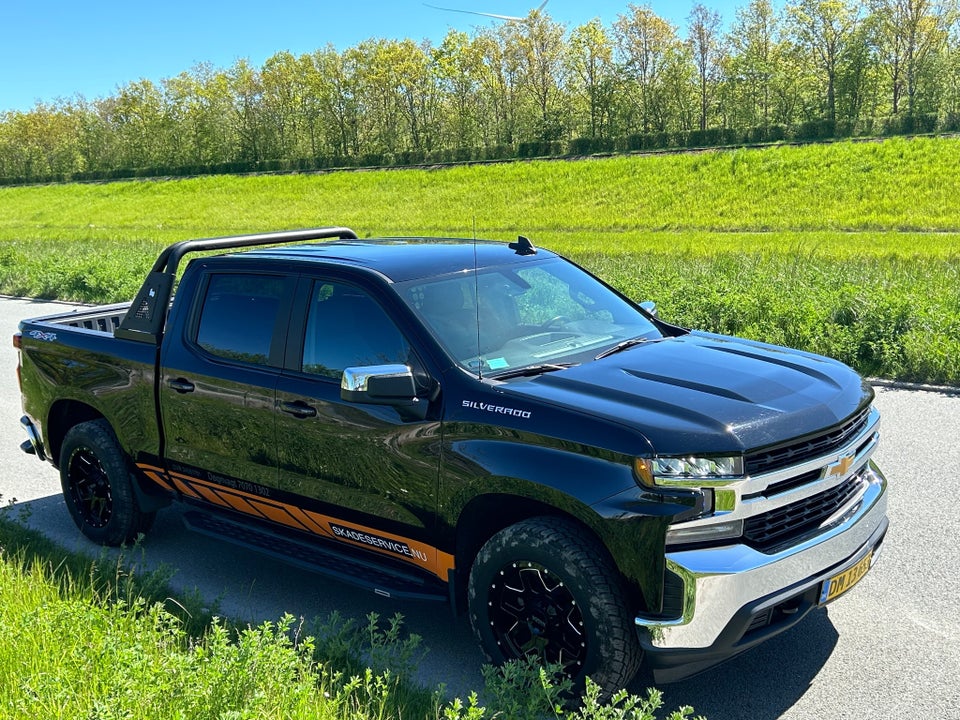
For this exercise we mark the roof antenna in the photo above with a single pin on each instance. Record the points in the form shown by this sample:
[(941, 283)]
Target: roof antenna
[(523, 246), (476, 302)]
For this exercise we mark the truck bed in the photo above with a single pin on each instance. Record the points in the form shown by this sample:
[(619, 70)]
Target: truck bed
[(99, 318)]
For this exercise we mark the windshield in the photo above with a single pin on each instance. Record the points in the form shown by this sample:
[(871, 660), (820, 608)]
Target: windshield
[(545, 313)]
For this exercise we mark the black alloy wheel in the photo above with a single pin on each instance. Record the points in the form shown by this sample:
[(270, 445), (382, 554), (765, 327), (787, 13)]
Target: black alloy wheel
[(546, 588), (98, 487), (90, 488), (533, 613)]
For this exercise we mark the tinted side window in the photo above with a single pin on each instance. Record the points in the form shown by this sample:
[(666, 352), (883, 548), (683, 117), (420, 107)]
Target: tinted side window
[(347, 328), (239, 315)]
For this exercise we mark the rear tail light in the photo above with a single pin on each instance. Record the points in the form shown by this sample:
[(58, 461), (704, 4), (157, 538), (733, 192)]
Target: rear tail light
[(17, 340)]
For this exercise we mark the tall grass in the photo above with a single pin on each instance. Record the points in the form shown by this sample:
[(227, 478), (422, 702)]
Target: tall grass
[(899, 318), (88, 639), (100, 638), (851, 249), (67, 653), (891, 186)]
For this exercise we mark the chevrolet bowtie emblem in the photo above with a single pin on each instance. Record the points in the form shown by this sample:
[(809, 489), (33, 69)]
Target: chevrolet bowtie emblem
[(839, 468)]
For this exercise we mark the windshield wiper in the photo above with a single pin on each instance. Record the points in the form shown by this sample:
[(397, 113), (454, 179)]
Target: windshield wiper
[(622, 346), (531, 370)]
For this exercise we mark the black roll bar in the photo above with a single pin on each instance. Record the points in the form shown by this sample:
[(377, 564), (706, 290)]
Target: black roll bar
[(146, 315)]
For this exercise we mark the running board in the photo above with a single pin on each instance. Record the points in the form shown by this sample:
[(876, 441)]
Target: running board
[(319, 557)]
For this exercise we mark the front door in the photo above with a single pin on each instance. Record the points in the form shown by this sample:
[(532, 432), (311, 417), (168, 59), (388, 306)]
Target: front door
[(367, 473)]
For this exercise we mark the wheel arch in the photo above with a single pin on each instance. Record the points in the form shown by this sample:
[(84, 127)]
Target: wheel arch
[(486, 515), (63, 415)]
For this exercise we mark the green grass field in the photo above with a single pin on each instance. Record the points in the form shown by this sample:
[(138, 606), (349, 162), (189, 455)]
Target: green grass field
[(850, 249), (87, 638), (90, 639)]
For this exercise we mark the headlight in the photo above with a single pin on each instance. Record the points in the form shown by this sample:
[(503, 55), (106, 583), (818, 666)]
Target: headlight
[(689, 471)]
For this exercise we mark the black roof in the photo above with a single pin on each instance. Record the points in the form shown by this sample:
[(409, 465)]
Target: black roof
[(401, 259)]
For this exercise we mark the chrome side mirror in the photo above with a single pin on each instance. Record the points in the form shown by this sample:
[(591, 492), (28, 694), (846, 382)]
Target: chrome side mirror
[(378, 385)]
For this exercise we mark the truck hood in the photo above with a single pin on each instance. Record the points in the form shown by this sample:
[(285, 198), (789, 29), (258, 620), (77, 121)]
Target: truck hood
[(701, 393)]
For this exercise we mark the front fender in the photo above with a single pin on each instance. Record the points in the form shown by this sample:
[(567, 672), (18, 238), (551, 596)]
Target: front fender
[(490, 483)]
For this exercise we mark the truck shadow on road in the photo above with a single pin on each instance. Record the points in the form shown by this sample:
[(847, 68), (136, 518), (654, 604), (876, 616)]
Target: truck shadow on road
[(761, 684)]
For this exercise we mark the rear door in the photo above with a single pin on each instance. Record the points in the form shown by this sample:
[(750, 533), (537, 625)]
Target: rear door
[(218, 383)]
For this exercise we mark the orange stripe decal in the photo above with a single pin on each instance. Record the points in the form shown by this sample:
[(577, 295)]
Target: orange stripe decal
[(240, 503), (211, 496), (398, 547), (185, 488), (280, 515), (319, 528), (158, 480)]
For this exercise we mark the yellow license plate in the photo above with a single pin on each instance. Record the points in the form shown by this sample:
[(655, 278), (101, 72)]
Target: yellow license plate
[(840, 583)]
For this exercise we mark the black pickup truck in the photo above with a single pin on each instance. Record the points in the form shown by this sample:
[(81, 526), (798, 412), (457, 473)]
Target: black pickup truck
[(476, 422)]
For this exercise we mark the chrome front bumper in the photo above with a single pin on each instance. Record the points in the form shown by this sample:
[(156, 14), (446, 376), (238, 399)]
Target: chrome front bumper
[(727, 588)]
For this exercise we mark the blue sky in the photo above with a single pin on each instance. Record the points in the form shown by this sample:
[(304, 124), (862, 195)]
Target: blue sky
[(53, 49)]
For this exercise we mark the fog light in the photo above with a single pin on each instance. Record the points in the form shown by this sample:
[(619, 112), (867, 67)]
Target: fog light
[(679, 535)]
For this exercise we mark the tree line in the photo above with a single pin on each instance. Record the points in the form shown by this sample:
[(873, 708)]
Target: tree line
[(814, 69)]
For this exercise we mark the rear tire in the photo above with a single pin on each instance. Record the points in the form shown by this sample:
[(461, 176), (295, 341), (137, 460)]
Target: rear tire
[(546, 588), (97, 486)]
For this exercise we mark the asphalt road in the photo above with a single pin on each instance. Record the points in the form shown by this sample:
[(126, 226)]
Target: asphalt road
[(891, 648)]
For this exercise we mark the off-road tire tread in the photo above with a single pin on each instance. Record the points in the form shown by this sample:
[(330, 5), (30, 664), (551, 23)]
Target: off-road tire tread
[(127, 521), (596, 575)]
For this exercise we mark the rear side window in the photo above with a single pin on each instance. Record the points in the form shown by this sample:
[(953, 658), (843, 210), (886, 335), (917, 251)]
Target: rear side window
[(239, 315)]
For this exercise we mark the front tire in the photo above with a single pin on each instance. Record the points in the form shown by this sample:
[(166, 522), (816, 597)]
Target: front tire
[(97, 485), (546, 588)]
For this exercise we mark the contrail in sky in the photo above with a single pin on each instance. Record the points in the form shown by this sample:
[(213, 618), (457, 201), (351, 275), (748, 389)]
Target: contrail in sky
[(490, 15)]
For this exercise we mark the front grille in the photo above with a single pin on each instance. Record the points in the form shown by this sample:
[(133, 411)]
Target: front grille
[(790, 483), (771, 529), (782, 456)]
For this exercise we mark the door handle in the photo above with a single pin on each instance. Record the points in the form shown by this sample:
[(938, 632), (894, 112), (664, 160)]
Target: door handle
[(181, 385), (299, 409)]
